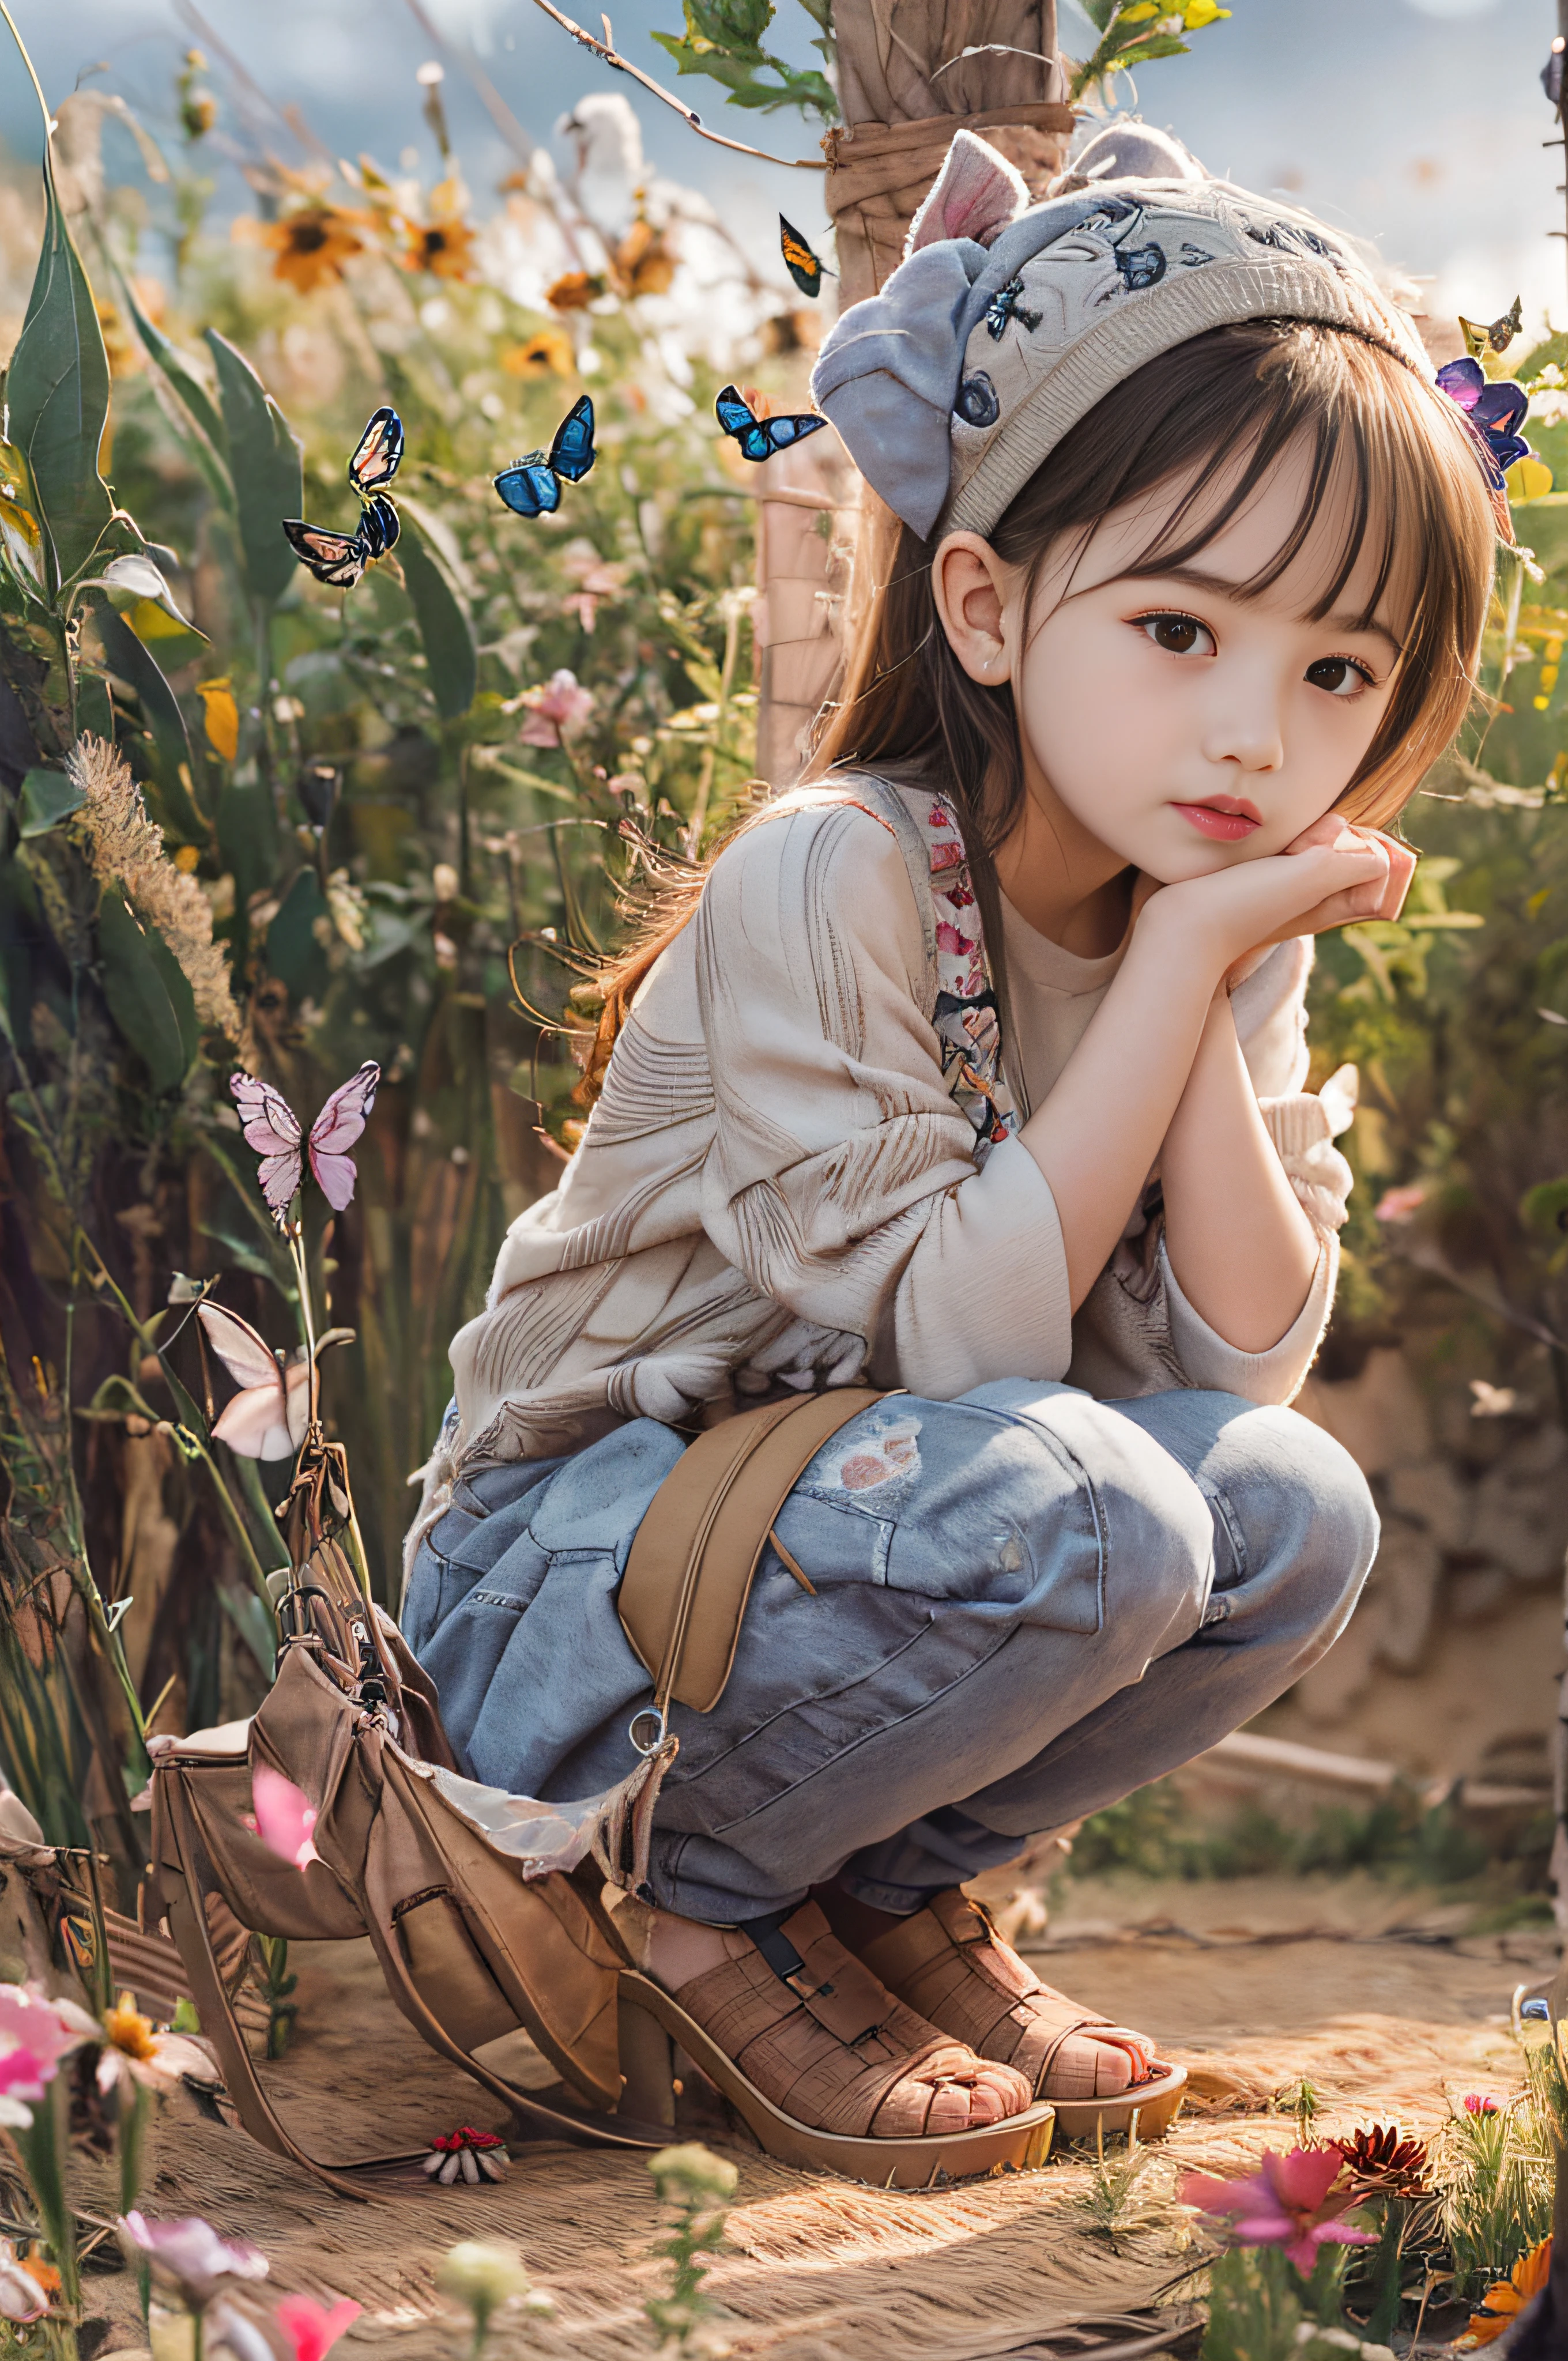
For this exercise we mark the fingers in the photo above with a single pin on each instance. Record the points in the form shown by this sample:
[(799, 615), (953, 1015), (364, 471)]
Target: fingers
[(1402, 858)]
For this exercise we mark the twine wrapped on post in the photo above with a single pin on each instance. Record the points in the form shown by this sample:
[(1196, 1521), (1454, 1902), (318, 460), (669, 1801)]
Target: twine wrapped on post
[(911, 72)]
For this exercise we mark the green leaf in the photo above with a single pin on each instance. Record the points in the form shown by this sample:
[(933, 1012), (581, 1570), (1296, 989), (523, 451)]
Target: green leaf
[(199, 420), (247, 837), (268, 468), (58, 391), (139, 668), (1543, 528), (48, 797), (295, 953), (149, 996), (1543, 1208), (443, 624)]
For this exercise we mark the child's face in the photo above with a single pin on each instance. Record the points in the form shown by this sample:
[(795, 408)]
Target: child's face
[(1179, 725)]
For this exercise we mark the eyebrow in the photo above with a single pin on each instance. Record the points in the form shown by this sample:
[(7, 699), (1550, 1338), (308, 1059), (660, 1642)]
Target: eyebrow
[(1341, 619)]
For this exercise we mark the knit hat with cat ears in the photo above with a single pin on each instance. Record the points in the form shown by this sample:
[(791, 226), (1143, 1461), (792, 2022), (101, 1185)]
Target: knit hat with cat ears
[(1006, 322)]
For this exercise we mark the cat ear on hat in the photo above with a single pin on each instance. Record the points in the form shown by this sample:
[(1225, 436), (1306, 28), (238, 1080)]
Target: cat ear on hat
[(975, 195)]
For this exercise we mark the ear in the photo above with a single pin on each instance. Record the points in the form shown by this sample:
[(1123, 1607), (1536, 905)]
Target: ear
[(976, 194), (972, 589)]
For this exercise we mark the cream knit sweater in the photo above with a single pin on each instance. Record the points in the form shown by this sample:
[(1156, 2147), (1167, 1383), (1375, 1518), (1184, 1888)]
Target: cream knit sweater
[(776, 1184)]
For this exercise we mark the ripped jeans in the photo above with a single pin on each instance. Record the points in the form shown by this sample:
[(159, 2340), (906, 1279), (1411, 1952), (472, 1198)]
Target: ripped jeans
[(1026, 1603)]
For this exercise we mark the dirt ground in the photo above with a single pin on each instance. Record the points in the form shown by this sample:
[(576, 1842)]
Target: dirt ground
[(1374, 1992)]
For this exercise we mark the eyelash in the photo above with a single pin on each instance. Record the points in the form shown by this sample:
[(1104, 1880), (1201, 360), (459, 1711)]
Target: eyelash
[(1175, 615)]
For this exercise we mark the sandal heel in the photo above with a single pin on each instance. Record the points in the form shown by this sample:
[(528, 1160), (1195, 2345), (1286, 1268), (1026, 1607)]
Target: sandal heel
[(647, 2063)]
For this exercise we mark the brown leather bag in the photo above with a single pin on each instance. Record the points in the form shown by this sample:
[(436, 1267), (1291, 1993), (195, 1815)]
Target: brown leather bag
[(471, 1947)]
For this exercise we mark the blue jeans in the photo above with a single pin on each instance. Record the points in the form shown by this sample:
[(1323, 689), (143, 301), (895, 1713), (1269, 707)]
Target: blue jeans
[(1026, 1604)]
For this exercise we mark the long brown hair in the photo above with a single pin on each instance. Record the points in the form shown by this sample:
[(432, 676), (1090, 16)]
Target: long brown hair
[(1250, 390)]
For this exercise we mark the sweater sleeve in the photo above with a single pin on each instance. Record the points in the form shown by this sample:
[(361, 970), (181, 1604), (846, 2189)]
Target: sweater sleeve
[(841, 1179)]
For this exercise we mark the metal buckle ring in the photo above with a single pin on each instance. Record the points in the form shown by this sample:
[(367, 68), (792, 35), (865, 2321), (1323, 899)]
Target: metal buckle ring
[(655, 1714)]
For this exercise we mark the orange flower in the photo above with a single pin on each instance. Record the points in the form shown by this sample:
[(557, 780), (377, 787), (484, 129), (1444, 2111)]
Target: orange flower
[(575, 290), (642, 263), (442, 248), (313, 245), (1501, 2305), (547, 354), (45, 2274)]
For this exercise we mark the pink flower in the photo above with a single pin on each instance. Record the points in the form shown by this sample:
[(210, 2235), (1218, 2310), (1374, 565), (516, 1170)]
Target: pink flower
[(47, 2029), (314, 2328), (559, 706), (1477, 2103), (1287, 2204), (950, 940), (1400, 1204), (23, 2076), (285, 1816), (190, 2257)]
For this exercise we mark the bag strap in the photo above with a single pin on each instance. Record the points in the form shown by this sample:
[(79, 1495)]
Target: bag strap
[(698, 1546)]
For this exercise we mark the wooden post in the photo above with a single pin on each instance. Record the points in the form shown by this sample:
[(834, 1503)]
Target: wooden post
[(905, 87)]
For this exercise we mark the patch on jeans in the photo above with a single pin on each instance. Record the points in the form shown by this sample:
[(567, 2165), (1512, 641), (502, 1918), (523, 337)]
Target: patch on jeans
[(884, 1454)]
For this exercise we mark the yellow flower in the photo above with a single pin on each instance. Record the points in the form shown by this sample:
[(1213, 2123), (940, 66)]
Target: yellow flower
[(222, 717), (442, 248), (642, 264), (1197, 13), (128, 2030), (313, 244), (546, 354), (1501, 2305), (1528, 479)]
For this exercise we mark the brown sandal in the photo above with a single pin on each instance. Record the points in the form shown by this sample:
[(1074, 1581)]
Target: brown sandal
[(827, 2068), (949, 1963)]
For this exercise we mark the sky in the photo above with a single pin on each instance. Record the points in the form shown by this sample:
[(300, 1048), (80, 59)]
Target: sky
[(1417, 124)]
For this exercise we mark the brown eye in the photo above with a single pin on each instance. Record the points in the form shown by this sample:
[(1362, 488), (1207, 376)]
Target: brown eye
[(1338, 676), (1179, 635)]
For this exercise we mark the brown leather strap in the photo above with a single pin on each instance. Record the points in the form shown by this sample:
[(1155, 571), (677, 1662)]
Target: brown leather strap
[(698, 1549)]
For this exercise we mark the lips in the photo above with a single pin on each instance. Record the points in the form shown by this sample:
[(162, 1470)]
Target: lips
[(1224, 818)]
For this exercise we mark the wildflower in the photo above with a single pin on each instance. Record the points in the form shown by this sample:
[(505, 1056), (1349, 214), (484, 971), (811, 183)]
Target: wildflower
[(574, 290), (284, 1816), (444, 245), (47, 2029), (23, 2296), (312, 244), (22, 2077), (189, 2257), (546, 354), (554, 709), (127, 848), (314, 2328), (135, 2054), (1477, 2102), (1502, 2303), (1400, 1204), (642, 264), (692, 2172), (220, 715), (1381, 2161), (1286, 2204), (482, 2278)]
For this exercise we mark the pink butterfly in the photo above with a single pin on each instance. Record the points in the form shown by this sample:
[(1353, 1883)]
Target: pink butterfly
[(272, 1128), (284, 1816), (266, 1418)]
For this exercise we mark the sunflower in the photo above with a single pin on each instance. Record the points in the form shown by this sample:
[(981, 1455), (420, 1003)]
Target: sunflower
[(1502, 2303), (312, 244), (442, 248), (548, 353)]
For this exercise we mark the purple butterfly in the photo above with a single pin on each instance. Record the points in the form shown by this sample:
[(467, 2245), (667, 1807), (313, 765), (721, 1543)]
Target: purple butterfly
[(272, 1128), (1493, 410)]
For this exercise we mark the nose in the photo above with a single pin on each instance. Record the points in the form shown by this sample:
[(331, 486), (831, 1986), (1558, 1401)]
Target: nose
[(1246, 725)]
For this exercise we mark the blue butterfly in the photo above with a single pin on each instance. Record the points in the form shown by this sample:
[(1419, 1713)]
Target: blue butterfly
[(759, 437), (339, 559), (531, 487)]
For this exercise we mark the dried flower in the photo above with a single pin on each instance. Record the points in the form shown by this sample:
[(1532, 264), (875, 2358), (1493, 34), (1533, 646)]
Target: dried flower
[(466, 2153), (554, 709), (1286, 2204), (22, 2295), (574, 290), (546, 354), (314, 2328), (312, 244), (1384, 2160), (127, 848), (642, 264), (189, 2256), (692, 2173), (1502, 2303)]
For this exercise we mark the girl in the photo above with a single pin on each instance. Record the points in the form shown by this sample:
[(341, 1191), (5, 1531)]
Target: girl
[(974, 1068)]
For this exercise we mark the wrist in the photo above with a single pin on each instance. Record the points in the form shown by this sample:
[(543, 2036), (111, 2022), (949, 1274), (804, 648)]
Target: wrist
[(1180, 927)]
